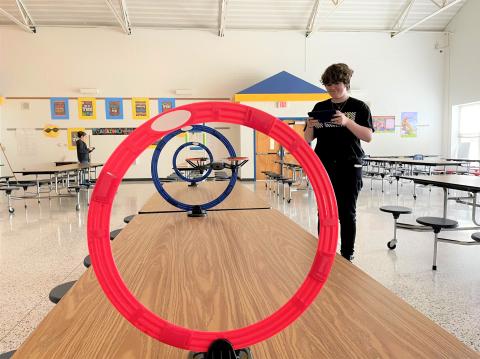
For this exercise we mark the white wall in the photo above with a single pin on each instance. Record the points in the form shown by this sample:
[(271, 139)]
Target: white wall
[(462, 70), (393, 75), (465, 55)]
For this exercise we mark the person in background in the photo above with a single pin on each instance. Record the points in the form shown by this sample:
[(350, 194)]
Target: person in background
[(339, 148), (83, 152)]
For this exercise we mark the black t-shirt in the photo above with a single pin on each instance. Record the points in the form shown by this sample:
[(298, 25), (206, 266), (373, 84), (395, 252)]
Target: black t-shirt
[(337, 143), (83, 154)]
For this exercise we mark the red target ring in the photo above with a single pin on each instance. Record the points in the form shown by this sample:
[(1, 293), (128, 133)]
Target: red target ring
[(104, 193)]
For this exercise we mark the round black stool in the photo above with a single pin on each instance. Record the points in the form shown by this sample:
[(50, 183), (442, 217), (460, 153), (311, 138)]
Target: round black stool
[(437, 224), (87, 262), (59, 291), (127, 219), (114, 233), (396, 211), (476, 236), (7, 355), (8, 192)]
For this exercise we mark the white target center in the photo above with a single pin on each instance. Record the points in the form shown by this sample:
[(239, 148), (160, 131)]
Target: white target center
[(171, 120)]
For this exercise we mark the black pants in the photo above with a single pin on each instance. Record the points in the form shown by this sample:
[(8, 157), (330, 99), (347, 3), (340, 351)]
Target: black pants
[(346, 178)]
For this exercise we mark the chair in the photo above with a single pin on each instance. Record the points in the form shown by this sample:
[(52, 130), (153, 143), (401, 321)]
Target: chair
[(437, 224), (396, 211), (417, 170)]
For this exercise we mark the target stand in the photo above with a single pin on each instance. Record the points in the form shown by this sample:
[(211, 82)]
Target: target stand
[(232, 343), (222, 349), (203, 165)]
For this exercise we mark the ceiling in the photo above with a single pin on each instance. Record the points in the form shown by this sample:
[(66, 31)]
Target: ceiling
[(220, 16)]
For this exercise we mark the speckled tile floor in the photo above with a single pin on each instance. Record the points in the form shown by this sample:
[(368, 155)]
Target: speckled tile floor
[(44, 246)]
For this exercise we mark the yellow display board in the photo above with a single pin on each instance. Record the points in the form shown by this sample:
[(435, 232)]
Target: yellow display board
[(140, 108), (72, 137), (87, 108)]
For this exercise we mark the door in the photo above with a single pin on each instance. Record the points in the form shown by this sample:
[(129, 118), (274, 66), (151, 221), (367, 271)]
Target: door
[(298, 128), (266, 154)]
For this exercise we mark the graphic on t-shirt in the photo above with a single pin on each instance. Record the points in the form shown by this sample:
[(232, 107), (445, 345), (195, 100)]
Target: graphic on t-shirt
[(350, 115)]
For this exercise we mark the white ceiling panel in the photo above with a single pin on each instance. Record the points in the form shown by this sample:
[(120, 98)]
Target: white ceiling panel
[(347, 15)]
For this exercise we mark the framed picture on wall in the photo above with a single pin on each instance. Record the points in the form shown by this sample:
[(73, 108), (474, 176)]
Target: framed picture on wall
[(72, 137), (114, 108), (384, 124), (87, 108), (140, 108), (59, 108), (409, 124), (165, 104)]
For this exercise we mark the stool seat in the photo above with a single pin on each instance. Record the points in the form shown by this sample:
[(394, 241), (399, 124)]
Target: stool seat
[(87, 262), (437, 222), (8, 189), (114, 233), (127, 219), (7, 355), (396, 209), (59, 291), (476, 236)]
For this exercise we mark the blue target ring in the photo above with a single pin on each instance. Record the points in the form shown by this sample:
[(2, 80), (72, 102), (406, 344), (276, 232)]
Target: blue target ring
[(159, 185), (180, 174)]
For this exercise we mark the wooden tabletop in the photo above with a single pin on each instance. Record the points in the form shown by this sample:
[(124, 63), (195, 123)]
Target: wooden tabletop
[(459, 182), (240, 197), (228, 270), (462, 159)]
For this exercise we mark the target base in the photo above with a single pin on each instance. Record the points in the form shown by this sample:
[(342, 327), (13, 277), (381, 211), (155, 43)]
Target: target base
[(221, 349), (197, 211)]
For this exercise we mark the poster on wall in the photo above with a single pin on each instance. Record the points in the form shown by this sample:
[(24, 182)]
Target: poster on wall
[(409, 124), (384, 124), (114, 108), (196, 136), (26, 138), (116, 131), (165, 104), (59, 108), (72, 137), (140, 108), (87, 108)]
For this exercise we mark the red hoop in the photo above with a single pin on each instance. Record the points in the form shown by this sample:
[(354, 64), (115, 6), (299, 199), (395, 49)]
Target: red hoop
[(106, 188)]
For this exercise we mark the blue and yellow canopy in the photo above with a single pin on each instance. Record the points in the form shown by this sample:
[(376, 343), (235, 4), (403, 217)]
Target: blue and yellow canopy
[(282, 87)]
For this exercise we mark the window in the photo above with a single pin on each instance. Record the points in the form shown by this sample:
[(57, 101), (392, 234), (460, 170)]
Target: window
[(466, 131)]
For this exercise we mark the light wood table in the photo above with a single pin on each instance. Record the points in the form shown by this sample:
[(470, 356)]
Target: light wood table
[(240, 197), (225, 271)]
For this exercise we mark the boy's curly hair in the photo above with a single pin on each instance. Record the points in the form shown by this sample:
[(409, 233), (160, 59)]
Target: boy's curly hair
[(337, 73)]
